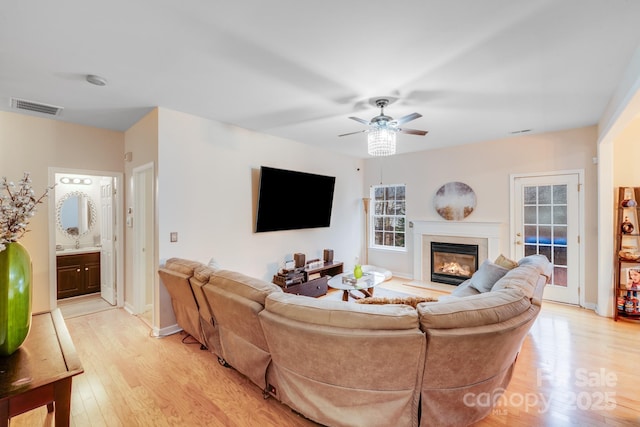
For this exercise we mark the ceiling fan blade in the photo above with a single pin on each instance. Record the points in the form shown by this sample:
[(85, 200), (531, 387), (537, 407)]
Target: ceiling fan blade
[(359, 120), (407, 118), (413, 131), (353, 133)]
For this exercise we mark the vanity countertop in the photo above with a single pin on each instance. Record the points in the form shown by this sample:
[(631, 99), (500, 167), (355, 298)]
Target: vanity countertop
[(74, 251)]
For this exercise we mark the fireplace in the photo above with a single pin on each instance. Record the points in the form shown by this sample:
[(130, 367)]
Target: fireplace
[(453, 263), (487, 235)]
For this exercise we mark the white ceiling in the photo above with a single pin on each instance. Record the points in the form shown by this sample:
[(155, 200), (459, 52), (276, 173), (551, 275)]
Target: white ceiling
[(475, 69)]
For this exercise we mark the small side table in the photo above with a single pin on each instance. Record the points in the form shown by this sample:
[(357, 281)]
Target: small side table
[(40, 371)]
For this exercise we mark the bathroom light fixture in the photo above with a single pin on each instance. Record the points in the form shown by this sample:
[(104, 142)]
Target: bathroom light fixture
[(75, 180), (96, 80)]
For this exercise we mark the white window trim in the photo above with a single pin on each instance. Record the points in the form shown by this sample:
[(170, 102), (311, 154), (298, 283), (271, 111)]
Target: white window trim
[(371, 210)]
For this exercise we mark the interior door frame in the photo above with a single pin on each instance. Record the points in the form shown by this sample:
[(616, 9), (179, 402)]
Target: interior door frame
[(139, 293), (118, 228), (581, 222)]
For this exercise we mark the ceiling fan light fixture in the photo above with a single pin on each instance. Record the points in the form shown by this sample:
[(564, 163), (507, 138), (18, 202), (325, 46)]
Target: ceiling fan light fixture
[(381, 142)]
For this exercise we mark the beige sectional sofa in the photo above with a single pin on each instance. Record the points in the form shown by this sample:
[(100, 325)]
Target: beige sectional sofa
[(345, 364)]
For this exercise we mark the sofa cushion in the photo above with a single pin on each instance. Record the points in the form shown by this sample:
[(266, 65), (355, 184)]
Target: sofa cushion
[(505, 262), (464, 289), (342, 314), (243, 285), (486, 276), (483, 309), (184, 266), (524, 278), (539, 261), (203, 272)]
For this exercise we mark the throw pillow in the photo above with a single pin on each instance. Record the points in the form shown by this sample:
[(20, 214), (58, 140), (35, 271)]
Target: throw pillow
[(487, 275), (505, 262), (412, 301)]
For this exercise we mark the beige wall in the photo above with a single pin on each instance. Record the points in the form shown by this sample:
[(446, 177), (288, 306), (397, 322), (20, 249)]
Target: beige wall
[(207, 183), (626, 156), (141, 140), (35, 144), (486, 167), (222, 157)]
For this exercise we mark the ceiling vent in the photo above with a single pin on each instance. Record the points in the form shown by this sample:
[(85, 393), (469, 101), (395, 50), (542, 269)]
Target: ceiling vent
[(37, 107)]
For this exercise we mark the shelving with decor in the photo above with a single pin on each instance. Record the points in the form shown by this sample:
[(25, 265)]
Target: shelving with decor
[(310, 281), (627, 267)]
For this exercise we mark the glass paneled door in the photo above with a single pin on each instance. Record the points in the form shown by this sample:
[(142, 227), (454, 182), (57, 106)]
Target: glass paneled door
[(547, 222)]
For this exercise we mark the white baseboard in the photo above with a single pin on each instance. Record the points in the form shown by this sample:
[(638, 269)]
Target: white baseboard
[(591, 306), (129, 308), (163, 332)]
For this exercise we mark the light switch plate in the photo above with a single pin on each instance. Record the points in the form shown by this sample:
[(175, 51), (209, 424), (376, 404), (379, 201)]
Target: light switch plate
[(173, 236)]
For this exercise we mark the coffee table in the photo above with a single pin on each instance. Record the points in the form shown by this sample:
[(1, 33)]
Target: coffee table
[(364, 285)]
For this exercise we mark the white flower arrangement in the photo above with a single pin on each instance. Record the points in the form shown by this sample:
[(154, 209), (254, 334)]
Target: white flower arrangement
[(17, 207)]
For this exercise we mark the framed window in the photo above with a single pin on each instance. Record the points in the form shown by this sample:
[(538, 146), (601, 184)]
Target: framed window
[(388, 217)]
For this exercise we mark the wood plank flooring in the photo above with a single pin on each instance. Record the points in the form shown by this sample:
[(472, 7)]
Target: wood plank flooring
[(83, 305), (575, 368)]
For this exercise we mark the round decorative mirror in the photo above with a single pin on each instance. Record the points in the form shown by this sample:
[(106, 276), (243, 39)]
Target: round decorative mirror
[(75, 214)]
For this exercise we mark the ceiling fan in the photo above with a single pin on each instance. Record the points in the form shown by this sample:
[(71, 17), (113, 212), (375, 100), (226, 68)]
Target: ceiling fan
[(383, 129), (382, 121)]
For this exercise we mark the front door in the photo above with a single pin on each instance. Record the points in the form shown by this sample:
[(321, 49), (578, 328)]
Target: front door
[(547, 221)]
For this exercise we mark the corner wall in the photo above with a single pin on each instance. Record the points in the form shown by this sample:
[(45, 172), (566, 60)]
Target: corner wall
[(207, 193), (141, 140), (626, 156), (34, 144), (486, 167)]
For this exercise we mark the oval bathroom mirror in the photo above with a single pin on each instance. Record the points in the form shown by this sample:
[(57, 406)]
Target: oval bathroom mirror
[(75, 214)]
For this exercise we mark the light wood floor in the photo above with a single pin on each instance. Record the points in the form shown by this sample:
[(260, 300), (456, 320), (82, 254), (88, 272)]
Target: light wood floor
[(575, 368), (81, 306)]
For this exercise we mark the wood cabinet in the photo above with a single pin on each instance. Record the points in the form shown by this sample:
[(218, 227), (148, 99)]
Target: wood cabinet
[(78, 274), (312, 288), (315, 283), (626, 287)]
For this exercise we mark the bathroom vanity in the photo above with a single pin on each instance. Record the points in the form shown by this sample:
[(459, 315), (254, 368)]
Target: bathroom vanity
[(78, 272), (78, 265)]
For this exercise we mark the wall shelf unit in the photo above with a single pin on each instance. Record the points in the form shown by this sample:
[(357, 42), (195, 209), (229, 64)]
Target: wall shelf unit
[(626, 286)]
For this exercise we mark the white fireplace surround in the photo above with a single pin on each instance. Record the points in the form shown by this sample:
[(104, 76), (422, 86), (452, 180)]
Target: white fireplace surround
[(489, 232)]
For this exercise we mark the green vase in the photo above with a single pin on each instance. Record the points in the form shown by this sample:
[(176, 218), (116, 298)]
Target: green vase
[(15, 297), (357, 271)]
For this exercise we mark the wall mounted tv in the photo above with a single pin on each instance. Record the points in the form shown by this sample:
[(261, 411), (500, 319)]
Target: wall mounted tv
[(290, 200)]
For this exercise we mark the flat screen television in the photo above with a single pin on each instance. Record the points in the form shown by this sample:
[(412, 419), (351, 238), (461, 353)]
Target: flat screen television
[(290, 200)]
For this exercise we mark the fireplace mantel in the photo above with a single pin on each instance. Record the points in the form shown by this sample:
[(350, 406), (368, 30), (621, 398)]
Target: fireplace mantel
[(491, 231)]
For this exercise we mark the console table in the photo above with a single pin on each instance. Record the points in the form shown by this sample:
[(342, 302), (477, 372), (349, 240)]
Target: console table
[(315, 287), (39, 373)]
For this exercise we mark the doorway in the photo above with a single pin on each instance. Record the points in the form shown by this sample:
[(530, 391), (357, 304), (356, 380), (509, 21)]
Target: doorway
[(547, 219), (142, 222), (86, 255)]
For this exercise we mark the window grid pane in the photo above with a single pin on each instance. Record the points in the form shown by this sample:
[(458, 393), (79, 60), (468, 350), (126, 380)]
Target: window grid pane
[(545, 218), (388, 220)]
